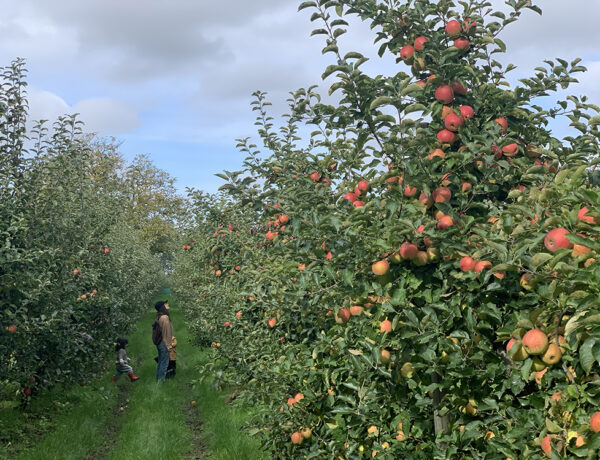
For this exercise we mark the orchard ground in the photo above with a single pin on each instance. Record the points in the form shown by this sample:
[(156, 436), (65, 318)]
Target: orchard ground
[(135, 420)]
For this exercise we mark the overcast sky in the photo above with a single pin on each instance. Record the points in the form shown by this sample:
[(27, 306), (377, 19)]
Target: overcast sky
[(173, 79)]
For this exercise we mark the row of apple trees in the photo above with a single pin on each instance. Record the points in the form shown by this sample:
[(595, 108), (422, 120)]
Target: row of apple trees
[(419, 278), (75, 269)]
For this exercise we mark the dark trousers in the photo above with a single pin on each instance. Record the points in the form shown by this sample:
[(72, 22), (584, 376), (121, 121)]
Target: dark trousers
[(171, 369)]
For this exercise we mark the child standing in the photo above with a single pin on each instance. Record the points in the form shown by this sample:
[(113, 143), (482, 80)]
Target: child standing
[(172, 359), (122, 361)]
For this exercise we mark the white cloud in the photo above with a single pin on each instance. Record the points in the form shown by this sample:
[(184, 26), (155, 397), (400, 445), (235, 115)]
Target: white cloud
[(104, 116)]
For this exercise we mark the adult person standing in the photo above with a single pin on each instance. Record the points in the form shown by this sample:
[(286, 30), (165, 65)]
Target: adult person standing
[(164, 347)]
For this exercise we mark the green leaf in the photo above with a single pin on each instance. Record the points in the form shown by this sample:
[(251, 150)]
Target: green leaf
[(305, 5), (586, 356), (540, 259), (415, 108), (412, 88), (381, 101)]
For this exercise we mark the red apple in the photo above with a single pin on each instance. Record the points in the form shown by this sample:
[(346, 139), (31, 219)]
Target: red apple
[(445, 222), (482, 265), (363, 185), (453, 28), (581, 215), (467, 264), (12, 329), (535, 342), (467, 111), (444, 94), (407, 52), (351, 197), (441, 194), (465, 186), (343, 315), (595, 422), (380, 268), (547, 445), (453, 122), (27, 391), (503, 123), (458, 88), (410, 191), (462, 44), (510, 150), (408, 250), (556, 239), (420, 43), (358, 204), (446, 136), (314, 176), (385, 326)]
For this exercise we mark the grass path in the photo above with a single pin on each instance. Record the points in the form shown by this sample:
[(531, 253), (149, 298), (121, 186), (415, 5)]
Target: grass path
[(144, 419)]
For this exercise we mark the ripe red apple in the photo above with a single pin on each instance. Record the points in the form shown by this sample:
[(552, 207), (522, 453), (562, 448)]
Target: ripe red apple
[(453, 28), (510, 150), (467, 111), (12, 329), (467, 264), (436, 153), (535, 342), (595, 422), (356, 310), (272, 322), (314, 176), (385, 326), (420, 43), (556, 239), (482, 265), (444, 94), (446, 136), (238, 314), (462, 44), (363, 185), (503, 123), (408, 250), (410, 191), (458, 88), (581, 215), (445, 222), (441, 195), (407, 52), (547, 445), (426, 200), (343, 315), (380, 268), (465, 186), (27, 391), (453, 122), (297, 437), (358, 204), (579, 250)]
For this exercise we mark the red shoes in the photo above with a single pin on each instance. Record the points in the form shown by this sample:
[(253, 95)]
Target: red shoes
[(114, 379), (132, 377)]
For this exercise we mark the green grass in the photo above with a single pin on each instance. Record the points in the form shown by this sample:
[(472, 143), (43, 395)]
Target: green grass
[(157, 420)]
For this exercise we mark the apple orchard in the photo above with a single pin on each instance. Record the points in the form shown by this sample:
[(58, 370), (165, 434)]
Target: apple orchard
[(419, 278)]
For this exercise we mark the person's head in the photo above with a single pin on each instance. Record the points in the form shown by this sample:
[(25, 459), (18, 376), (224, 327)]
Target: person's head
[(162, 307), (121, 343)]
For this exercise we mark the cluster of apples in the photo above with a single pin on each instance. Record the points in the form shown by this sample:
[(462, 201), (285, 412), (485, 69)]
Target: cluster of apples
[(468, 264), (87, 296), (544, 349), (410, 251), (280, 221), (353, 197), (580, 440)]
